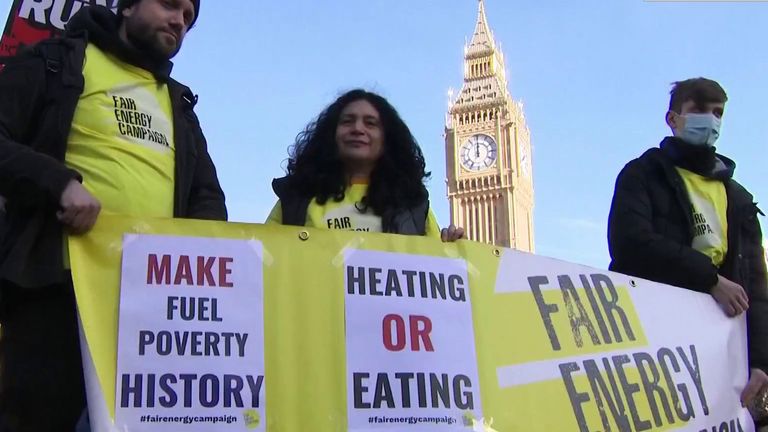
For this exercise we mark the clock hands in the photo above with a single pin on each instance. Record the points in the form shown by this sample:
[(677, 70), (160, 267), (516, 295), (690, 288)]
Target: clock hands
[(478, 152)]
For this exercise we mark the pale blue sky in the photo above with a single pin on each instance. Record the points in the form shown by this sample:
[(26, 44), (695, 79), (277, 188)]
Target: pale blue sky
[(594, 76)]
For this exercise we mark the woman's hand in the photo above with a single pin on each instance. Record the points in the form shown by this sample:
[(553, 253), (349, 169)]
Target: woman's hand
[(451, 234)]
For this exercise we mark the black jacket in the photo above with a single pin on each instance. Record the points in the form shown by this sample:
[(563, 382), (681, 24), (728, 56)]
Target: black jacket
[(650, 232), (294, 207), (39, 97)]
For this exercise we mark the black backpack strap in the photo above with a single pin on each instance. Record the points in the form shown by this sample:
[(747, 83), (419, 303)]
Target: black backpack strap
[(53, 52), (62, 60)]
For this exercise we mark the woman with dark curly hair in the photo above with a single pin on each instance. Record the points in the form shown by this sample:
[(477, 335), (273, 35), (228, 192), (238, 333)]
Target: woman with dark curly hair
[(358, 167)]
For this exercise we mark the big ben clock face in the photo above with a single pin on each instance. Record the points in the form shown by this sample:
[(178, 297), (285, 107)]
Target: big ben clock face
[(479, 152)]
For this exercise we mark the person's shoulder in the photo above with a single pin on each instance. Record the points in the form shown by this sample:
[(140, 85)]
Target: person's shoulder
[(281, 185), (650, 159), (54, 56), (51, 47), (738, 190), (36, 53), (174, 83), (651, 156)]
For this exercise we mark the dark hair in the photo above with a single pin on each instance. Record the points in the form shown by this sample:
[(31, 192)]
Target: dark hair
[(397, 181), (125, 4), (701, 91)]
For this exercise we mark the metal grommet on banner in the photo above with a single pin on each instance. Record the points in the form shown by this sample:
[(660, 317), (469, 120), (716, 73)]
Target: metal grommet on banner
[(632, 283), (304, 236), (497, 253)]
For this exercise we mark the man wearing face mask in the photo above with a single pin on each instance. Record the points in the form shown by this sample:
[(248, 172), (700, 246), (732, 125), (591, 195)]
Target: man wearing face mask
[(679, 218)]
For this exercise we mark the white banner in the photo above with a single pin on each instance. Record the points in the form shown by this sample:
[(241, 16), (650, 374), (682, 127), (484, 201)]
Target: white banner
[(683, 371), (191, 335), (411, 362)]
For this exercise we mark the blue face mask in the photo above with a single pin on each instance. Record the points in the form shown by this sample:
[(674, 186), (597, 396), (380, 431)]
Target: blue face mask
[(700, 129)]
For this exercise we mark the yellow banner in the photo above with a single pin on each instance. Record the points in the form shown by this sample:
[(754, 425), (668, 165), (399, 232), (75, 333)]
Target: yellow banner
[(557, 346)]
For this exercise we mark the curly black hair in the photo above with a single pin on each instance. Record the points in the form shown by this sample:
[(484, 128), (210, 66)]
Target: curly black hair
[(397, 181)]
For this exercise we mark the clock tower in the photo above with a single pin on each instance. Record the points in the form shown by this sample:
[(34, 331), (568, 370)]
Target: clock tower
[(488, 150)]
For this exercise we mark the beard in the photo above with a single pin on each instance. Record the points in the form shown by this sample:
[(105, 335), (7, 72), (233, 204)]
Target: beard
[(151, 41)]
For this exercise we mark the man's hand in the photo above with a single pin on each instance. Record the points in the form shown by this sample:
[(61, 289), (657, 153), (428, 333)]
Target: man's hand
[(451, 234), (730, 296), (758, 381), (79, 208)]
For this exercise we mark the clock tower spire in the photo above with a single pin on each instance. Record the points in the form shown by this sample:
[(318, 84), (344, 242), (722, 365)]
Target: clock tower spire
[(488, 149)]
